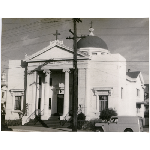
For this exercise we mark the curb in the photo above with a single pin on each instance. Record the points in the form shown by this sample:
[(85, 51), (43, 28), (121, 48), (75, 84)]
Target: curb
[(19, 130)]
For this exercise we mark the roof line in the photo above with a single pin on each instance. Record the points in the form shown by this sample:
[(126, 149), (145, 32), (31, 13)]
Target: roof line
[(52, 44)]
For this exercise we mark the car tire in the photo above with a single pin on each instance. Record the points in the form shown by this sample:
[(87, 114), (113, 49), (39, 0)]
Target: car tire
[(99, 130), (128, 130)]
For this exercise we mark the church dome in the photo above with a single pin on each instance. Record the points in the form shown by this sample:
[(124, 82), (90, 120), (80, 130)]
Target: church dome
[(91, 41)]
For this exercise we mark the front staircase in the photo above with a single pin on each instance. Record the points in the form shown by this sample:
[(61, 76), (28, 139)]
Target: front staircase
[(52, 122)]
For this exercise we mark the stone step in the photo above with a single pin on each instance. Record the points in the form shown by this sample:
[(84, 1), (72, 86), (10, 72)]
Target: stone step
[(53, 121)]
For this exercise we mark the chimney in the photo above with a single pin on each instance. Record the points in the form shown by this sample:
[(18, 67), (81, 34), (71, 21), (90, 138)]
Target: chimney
[(128, 70)]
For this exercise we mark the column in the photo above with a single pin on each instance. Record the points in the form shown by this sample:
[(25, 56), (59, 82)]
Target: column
[(42, 96), (87, 93), (22, 101), (29, 92), (97, 100), (13, 101), (81, 88), (37, 94), (66, 93), (34, 92), (46, 95)]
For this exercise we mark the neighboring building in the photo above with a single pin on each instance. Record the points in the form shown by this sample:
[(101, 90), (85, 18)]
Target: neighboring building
[(146, 97), (3, 91), (135, 93), (146, 93), (44, 82)]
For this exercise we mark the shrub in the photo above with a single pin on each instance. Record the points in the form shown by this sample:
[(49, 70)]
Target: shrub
[(106, 114), (146, 114), (81, 120), (17, 122), (89, 125), (81, 116)]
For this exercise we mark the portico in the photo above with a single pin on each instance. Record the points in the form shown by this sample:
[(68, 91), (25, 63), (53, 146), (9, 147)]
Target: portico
[(45, 88)]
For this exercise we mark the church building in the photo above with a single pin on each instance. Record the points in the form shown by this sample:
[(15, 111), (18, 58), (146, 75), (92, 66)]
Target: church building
[(43, 82)]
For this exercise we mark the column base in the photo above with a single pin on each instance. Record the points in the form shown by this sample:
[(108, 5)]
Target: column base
[(44, 117), (24, 119)]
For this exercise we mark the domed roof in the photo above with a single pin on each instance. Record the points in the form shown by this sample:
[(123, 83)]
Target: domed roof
[(91, 41)]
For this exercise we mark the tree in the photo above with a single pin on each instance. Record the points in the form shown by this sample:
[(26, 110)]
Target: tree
[(107, 113), (146, 114)]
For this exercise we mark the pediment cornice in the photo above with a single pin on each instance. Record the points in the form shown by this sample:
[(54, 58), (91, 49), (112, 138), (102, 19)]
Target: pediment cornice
[(55, 43)]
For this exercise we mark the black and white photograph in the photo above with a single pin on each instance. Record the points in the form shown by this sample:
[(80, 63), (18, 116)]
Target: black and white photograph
[(73, 69), (75, 75)]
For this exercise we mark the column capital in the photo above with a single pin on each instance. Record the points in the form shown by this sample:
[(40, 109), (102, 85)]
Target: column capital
[(47, 71), (66, 70)]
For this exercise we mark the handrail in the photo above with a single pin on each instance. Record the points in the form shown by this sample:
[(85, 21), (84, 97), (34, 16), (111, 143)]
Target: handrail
[(65, 117), (78, 112), (34, 114), (41, 112)]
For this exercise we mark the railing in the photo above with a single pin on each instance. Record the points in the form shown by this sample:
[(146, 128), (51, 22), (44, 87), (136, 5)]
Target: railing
[(70, 112), (37, 112), (66, 118), (67, 115)]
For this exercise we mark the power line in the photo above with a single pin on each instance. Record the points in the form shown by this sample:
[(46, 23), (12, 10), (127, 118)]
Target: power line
[(101, 34), (29, 24), (33, 37), (20, 26), (54, 25)]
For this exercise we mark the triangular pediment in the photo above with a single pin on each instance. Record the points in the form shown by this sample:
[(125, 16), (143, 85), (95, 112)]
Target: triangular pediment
[(55, 51)]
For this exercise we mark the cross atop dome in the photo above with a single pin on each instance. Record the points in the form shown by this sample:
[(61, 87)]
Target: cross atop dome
[(91, 30)]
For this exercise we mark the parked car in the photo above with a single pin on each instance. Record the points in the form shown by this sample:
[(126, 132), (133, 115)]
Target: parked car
[(121, 124)]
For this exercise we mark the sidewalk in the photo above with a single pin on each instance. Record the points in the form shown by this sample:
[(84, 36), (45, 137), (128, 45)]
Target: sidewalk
[(41, 129)]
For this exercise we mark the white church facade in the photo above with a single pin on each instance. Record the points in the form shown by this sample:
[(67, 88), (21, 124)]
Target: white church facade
[(43, 82)]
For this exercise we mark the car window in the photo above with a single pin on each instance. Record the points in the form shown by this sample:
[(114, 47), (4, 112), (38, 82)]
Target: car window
[(114, 120)]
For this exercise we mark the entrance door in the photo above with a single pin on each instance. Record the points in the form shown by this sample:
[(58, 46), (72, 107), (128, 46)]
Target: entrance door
[(60, 103)]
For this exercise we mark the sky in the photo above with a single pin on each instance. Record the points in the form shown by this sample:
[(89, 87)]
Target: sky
[(126, 36)]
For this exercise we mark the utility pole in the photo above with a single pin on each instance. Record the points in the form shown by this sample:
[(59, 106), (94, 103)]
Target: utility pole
[(75, 75)]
